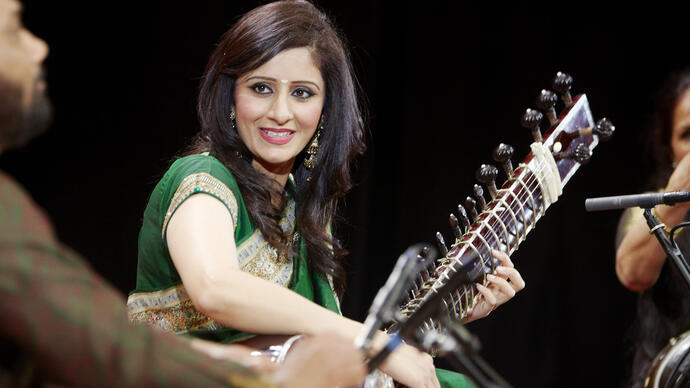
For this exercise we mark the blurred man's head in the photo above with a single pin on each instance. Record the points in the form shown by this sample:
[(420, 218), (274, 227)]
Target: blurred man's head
[(25, 110)]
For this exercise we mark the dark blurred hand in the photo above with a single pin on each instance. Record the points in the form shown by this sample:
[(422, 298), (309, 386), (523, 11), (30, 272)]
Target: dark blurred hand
[(325, 360)]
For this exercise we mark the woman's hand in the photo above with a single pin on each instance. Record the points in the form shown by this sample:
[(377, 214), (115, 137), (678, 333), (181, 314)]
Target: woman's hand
[(321, 361), (410, 367), (235, 353), (639, 256), (502, 287), (680, 179)]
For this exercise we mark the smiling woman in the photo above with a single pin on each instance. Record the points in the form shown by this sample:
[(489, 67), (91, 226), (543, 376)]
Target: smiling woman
[(236, 239), (278, 107)]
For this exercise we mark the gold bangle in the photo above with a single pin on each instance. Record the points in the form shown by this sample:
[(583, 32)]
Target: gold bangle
[(667, 230)]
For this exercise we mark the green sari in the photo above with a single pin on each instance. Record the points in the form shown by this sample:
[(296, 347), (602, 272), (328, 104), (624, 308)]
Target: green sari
[(160, 298)]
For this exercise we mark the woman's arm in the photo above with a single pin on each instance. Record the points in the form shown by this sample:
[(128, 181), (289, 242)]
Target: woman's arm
[(202, 247), (639, 256)]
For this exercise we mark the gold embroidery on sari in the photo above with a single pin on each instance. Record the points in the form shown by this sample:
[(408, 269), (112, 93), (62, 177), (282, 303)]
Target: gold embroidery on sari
[(257, 257), (201, 183), (170, 310)]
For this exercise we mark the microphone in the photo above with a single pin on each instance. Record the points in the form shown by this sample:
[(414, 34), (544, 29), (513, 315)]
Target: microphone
[(645, 201), (386, 302)]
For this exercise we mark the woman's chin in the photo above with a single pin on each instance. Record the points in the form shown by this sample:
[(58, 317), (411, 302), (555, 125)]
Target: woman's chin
[(277, 164)]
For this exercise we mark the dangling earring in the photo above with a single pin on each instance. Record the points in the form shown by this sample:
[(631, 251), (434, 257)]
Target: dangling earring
[(312, 150), (232, 118)]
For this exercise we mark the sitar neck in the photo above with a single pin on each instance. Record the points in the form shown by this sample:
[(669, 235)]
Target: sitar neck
[(504, 220)]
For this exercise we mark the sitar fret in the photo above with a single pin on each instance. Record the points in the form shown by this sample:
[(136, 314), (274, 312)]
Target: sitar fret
[(526, 199)]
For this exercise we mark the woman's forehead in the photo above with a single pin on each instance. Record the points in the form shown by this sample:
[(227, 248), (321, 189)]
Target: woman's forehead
[(289, 66)]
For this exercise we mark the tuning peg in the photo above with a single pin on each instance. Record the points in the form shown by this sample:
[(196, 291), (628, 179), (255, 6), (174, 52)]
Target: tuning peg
[(471, 204), (442, 248), (455, 226), (562, 84), (502, 154), (531, 119), (580, 154), (604, 128), (479, 196), (546, 102), (424, 253), (463, 217), (486, 175)]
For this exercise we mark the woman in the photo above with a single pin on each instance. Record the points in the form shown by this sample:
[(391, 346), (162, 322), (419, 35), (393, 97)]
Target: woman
[(280, 124), (641, 264)]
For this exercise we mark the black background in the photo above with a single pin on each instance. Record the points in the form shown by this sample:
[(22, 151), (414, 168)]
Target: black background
[(445, 83)]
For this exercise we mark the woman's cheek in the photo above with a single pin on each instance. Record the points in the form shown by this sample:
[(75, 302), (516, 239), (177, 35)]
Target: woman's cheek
[(249, 108), (311, 114)]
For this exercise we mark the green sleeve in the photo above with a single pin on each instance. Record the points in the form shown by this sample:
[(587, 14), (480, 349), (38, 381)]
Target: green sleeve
[(193, 174), (197, 174)]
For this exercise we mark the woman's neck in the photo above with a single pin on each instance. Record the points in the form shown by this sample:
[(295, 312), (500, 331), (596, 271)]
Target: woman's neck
[(279, 173)]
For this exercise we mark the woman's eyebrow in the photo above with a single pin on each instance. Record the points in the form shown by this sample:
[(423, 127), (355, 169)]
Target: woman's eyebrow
[(260, 77)]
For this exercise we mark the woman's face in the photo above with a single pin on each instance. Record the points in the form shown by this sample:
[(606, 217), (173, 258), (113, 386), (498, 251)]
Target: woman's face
[(680, 133), (278, 107)]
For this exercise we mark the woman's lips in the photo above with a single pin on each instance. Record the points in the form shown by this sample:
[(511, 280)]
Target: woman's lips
[(277, 136)]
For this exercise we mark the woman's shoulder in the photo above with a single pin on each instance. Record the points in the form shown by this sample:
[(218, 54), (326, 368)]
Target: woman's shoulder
[(199, 166), (187, 176), (197, 163), (190, 174)]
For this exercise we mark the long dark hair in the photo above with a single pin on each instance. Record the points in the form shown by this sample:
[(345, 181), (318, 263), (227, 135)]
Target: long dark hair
[(662, 123), (256, 38)]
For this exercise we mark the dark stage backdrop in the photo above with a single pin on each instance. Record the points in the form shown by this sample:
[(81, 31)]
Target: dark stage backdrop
[(445, 83)]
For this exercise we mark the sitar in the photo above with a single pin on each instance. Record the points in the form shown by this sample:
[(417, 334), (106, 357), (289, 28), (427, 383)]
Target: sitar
[(503, 220)]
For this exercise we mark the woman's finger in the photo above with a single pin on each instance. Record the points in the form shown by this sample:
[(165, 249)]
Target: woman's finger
[(513, 276), (502, 285), (503, 258), (488, 295)]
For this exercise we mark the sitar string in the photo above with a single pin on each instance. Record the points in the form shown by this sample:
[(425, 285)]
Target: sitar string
[(489, 241)]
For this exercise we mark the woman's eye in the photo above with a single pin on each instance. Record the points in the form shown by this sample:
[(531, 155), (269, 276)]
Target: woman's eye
[(261, 88), (685, 134), (302, 93)]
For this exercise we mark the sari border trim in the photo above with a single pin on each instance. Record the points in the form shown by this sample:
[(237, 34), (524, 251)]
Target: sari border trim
[(201, 183), (170, 309)]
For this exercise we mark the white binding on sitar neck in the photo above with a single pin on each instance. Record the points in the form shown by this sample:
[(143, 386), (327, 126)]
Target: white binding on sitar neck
[(546, 172)]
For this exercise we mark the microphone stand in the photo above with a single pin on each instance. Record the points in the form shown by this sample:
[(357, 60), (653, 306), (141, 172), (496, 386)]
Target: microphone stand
[(464, 353), (671, 249)]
